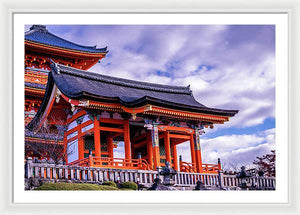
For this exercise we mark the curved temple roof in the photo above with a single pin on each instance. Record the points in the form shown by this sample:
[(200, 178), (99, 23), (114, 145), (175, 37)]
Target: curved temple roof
[(39, 34), (82, 85)]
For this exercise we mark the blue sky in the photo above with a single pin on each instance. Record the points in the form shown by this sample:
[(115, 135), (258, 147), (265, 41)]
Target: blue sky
[(229, 67)]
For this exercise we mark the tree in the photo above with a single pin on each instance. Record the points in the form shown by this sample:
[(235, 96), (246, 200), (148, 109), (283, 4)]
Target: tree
[(266, 163), (50, 148), (230, 168)]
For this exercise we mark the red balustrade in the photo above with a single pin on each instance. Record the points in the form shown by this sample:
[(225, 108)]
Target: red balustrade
[(117, 163), (187, 167), (211, 168), (206, 168)]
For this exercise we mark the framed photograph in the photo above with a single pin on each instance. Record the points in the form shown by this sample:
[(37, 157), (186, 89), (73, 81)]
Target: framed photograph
[(123, 119), (150, 107)]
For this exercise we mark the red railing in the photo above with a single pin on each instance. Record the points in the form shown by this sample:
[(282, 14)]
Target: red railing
[(82, 162), (187, 167), (206, 168), (117, 163), (211, 168)]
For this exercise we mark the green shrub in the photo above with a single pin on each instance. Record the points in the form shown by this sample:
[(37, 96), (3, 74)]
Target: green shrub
[(129, 185), (74, 186), (109, 183)]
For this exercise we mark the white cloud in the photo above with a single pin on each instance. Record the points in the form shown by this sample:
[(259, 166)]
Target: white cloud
[(227, 67), (242, 61), (234, 150)]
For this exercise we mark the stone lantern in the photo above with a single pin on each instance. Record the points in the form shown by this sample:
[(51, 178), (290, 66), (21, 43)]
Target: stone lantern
[(168, 175), (243, 175), (168, 182)]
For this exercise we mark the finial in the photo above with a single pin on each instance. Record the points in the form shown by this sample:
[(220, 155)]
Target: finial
[(39, 28)]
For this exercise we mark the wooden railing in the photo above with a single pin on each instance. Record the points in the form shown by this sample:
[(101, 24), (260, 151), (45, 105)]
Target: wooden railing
[(52, 172), (187, 167), (117, 163), (211, 168), (206, 168)]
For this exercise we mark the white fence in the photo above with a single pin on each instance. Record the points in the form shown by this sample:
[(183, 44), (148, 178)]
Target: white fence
[(93, 174)]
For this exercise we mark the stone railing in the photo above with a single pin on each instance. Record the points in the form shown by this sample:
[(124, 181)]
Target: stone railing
[(264, 183), (53, 172), (190, 179)]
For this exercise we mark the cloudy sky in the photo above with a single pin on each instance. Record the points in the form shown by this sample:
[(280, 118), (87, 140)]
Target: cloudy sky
[(229, 67)]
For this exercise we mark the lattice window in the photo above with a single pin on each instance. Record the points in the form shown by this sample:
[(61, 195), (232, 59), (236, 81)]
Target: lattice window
[(103, 143), (162, 150), (89, 143)]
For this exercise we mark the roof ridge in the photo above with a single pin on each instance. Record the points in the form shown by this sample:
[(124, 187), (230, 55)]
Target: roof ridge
[(93, 47), (58, 68)]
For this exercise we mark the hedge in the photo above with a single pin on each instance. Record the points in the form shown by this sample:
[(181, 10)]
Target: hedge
[(109, 183), (74, 186), (129, 185)]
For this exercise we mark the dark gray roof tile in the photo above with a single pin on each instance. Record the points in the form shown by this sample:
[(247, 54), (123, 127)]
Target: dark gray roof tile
[(80, 84), (39, 34)]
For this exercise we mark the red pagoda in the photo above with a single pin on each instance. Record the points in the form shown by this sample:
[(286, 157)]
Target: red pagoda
[(93, 112), (40, 46)]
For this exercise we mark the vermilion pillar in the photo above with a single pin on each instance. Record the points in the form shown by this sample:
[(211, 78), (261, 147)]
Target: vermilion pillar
[(110, 145), (149, 149), (155, 145), (97, 138), (174, 149), (167, 147), (192, 147), (80, 143), (198, 150), (66, 148), (127, 140)]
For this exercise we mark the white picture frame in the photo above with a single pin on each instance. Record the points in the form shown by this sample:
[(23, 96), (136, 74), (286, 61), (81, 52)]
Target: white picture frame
[(195, 7)]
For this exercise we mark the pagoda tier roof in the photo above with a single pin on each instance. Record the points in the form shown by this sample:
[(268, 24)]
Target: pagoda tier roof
[(39, 34)]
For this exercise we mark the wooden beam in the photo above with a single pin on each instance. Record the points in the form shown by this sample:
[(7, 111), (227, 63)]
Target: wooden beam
[(74, 117), (140, 144), (112, 121), (173, 128), (180, 136), (116, 135), (137, 138), (111, 129), (176, 142)]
